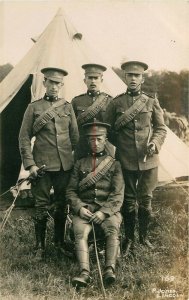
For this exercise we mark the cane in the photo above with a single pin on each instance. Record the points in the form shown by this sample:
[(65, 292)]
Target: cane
[(148, 140), (98, 262)]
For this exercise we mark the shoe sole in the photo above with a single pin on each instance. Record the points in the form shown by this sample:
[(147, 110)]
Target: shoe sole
[(109, 280), (78, 283)]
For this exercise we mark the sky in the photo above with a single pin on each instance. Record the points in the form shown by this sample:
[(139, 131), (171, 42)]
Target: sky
[(153, 31)]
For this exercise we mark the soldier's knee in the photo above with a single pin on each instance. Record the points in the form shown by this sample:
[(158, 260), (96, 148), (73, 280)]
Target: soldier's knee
[(40, 215), (129, 205), (128, 209), (81, 233), (145, 211), (59, 215), (111, 229)]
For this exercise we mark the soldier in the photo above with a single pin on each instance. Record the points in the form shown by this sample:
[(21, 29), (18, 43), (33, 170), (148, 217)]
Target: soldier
[(52, 121), (139, 132), (95, 192), (91, 105)]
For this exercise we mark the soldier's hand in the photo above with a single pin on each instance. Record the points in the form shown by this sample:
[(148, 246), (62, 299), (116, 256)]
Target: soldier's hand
[(98, 217), (85, 213), (151, 149), (33, 171)]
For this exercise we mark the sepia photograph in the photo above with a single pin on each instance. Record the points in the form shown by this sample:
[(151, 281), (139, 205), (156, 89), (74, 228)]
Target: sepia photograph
[(94, 149)]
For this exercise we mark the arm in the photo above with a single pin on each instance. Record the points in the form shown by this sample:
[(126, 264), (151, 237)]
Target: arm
[(159, 128), (73, 105), (25, 136), (110, 118), (116, 196), (74, 133), (72, 190)]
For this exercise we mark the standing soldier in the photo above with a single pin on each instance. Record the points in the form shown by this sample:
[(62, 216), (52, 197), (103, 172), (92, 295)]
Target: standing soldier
[(52, 121), (95, 192), (91, 105), (138, 133)]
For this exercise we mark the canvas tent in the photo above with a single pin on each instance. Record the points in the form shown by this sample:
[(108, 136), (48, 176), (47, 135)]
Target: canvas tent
[(174, 158), (59, 45), (62, 46)]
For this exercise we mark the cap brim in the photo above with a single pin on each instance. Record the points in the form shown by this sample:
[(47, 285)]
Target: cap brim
[(145, 66), (64, 72), (96, 124), (54, 79), (101, 67)]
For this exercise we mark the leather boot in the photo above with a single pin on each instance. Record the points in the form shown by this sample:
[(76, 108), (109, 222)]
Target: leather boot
[(129, 224), (144, 220), (82, 252), (82, 280), (59, 229), (112, 248), (40, 233), (59, 235)]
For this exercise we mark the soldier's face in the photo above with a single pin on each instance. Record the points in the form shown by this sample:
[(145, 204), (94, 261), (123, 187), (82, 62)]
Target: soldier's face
[(134, 81), (93, 83), (97, 143), (52, 87)]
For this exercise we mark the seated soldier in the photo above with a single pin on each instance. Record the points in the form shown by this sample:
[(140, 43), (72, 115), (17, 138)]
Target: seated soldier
[(95, 193)]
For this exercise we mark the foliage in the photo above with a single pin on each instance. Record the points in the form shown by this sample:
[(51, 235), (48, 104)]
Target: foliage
[(138, 278)]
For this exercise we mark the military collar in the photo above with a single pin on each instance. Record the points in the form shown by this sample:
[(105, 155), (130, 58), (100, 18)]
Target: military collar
[(100, 154), (93, 94), (133, 93), (50, 98)]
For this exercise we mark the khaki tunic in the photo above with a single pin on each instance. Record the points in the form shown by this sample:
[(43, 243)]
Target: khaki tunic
[(54, 142), (80, 104), (131, 140), (107, 193)]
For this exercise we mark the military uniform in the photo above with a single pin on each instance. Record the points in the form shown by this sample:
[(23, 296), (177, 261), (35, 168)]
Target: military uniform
[(83, 102), (53, 146), (146, 126), (104, 195), (55, 142)]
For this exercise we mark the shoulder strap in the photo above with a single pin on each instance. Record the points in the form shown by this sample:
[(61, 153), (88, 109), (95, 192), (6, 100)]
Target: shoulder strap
[(130, 113), (100, 171), (92, 110), (46, 116)]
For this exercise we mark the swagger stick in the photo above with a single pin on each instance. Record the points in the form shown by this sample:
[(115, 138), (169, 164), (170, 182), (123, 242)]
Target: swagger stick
[(98, 262), (8, 212), (29, 179), (18, 185), (149, 134)]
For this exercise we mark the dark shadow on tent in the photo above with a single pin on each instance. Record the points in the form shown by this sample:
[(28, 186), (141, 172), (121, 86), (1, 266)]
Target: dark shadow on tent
[(10, 121)]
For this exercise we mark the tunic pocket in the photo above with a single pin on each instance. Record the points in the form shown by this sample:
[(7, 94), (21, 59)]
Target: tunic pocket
[(81, 109), (119, 111)]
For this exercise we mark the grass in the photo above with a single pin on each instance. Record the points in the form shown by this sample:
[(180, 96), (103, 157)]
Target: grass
[(158, 274)]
